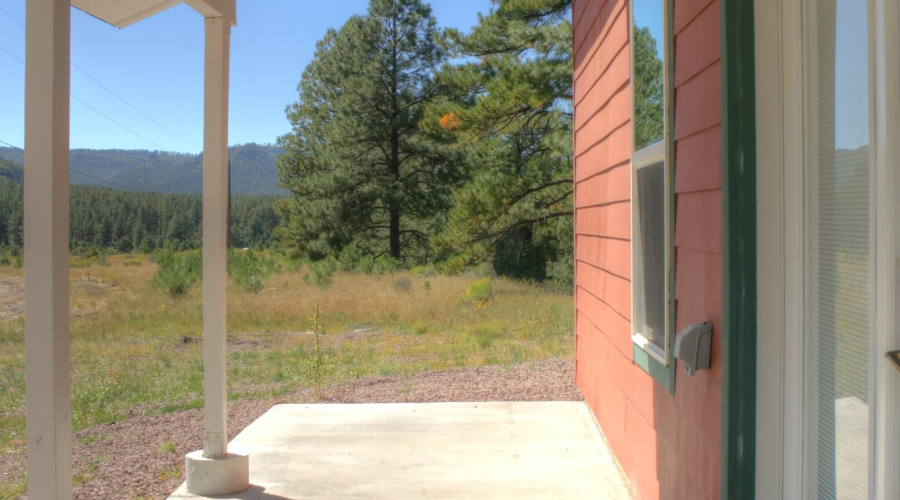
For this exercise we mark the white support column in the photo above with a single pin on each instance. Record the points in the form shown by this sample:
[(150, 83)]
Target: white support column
[(214, 471), (215, 230), (48, 385)]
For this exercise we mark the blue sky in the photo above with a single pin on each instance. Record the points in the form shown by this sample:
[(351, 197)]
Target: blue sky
[(851, 82), (156, 66), (649, 14)]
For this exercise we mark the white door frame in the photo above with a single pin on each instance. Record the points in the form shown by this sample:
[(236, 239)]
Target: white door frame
[(779, 119)]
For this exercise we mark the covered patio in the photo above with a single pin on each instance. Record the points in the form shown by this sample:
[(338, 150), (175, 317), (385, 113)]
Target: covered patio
[(440, 450), (505, 450), (48, 377)]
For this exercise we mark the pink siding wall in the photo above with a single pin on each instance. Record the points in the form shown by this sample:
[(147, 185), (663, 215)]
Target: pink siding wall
[(669, 447)]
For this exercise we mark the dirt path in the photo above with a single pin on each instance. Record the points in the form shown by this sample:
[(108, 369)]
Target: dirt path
[(142, 457), (12, 296)]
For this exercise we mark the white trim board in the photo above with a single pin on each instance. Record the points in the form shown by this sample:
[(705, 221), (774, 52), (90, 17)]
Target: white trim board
[(779, 98)]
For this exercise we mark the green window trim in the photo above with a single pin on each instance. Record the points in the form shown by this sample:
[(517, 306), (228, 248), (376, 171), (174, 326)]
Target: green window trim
[(664, 371), (739, 287)]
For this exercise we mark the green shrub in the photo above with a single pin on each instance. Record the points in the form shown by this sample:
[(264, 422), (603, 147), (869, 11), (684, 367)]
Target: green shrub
[(249, 270), (365, 265), (425, 271), (320, 272), (124, 245), (176, 274), (480, 293), (90, 251), (385, 264), (483, 270), (561, 273), (453, 266), (427, 286), (350, 257)]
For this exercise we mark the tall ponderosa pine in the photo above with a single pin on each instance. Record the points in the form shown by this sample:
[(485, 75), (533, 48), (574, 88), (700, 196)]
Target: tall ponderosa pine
[(648, 94), (360, 169), (512, 119)]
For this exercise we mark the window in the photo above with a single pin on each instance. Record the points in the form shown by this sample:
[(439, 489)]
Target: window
[(651, 193)]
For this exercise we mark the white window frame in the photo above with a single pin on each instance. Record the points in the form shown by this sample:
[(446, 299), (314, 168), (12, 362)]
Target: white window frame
[(651, 155), (780, 160)]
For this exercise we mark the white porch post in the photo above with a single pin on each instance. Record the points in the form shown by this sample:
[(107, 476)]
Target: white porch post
[(48, 386), (215, 211), (215, 471)]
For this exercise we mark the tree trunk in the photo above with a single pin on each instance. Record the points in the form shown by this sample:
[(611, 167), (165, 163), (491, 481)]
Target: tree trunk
[(395, 234), (394, 208)]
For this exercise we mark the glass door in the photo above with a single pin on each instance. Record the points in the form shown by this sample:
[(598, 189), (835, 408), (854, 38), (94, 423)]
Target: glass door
[(837, 252)]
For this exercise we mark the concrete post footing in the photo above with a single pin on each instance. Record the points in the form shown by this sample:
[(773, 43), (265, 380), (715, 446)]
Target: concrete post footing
[(217, 476)]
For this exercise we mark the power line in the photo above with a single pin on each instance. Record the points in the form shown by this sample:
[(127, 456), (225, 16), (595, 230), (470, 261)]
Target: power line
[(85, 174), (12, 55), (14, 18), (104, 87), (145, 115), (113, 184), (117, 123), (82, 101)]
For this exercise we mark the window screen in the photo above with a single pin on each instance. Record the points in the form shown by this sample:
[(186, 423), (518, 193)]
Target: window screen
[(649, 253)]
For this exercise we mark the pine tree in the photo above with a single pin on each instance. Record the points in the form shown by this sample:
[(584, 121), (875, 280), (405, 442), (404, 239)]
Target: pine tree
[(511, 115), (648, 92), (360, 168)]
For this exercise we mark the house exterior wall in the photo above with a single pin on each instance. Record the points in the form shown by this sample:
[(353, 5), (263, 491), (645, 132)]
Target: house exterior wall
[(668, 446)]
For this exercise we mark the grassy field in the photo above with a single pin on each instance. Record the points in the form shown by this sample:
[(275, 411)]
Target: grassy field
[(137, 350)]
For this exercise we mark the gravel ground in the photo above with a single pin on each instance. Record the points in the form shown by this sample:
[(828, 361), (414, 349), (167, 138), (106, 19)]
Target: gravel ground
[(142, 457)]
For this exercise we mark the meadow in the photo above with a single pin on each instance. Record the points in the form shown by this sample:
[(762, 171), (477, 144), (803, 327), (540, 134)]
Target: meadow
[(137, 349)]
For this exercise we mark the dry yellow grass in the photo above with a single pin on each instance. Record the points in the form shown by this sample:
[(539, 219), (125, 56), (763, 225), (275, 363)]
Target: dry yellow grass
[(137, 349)]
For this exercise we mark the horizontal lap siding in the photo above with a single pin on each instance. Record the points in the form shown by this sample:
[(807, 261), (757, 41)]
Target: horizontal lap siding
[(667, 446)]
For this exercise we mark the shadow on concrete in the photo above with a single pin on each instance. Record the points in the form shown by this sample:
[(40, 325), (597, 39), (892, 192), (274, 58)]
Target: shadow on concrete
[(254, 492)]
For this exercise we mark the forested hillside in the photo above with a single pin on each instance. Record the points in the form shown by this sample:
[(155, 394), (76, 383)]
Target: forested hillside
[(252, 167), (107, 220), (10, 170)]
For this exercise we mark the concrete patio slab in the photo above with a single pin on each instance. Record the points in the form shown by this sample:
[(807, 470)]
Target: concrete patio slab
[(528, 450)]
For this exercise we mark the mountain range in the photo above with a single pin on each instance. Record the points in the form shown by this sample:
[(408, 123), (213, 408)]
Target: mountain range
[(253, 169)]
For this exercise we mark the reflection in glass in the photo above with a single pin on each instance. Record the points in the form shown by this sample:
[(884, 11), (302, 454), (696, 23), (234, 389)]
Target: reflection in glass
[(649, 75), (649, 236), (837, 249)]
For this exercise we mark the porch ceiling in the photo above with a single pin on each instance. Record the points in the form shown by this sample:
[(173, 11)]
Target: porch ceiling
[(121, 13)]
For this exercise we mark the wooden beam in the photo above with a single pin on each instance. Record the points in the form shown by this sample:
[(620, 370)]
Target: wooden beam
[(216, 8), (48, 386)]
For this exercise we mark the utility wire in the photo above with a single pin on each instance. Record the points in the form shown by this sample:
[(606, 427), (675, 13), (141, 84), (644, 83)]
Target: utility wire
[(12, 55), (85, 174), (145, 115), (104, 87), (14, 18), (117, 123), (113, 184), (82, 101)]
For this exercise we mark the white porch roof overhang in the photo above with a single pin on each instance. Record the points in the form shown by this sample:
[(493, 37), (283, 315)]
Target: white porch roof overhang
[(48, 384), (122, 13)]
